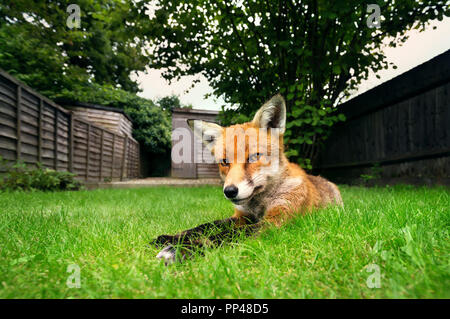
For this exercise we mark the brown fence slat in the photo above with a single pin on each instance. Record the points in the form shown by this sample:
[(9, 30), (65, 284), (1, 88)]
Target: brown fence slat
[(40, 131), (55, 141), (70, 143), (87, 150), (113, 154), (19, 122), (125, 142), (101, 155)]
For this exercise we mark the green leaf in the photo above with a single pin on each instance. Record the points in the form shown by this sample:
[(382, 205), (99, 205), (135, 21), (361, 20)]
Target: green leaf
[(336, 69)]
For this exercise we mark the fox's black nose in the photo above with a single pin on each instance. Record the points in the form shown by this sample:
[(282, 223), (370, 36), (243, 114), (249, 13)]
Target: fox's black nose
[(231, 191)]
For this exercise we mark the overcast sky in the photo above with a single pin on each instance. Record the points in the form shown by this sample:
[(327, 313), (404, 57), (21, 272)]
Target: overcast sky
[(419, 48)]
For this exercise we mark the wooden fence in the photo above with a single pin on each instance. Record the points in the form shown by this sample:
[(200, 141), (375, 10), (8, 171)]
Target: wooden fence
[(403, 125), (35, 129)]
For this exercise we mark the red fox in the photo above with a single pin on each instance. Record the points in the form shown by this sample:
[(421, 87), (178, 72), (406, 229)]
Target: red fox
[(264, 187)]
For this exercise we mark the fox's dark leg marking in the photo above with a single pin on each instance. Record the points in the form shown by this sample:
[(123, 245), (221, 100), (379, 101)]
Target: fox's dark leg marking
[(230, 234), (225, 231), (233, 233), (187, 235)]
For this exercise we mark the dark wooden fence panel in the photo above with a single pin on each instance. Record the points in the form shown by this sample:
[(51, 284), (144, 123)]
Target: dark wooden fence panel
[(34, 129), (402, 124)]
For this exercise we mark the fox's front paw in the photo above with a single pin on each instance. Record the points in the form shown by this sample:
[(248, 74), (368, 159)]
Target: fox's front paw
[(162, 240), (168, 253)]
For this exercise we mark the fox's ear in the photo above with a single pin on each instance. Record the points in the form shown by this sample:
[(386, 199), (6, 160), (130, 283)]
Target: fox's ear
[(208, 132), (272, 114)]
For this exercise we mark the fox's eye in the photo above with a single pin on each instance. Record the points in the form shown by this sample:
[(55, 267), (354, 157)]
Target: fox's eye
[(224, 162), (254, 157)]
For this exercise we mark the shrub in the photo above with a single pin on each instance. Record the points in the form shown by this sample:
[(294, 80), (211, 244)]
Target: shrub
[(18, 176), (374, 174)]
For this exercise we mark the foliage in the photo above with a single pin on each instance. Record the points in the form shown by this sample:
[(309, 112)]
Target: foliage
[(151, 124), (153, 127), (373, 174), (20, 177), (313, 52), (39, 48), (171, 102)]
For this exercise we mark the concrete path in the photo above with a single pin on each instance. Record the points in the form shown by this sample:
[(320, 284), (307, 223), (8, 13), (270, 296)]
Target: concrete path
[(157, 181)]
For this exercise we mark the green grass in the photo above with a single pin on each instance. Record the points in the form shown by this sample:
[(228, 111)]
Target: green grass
[(403, 230)]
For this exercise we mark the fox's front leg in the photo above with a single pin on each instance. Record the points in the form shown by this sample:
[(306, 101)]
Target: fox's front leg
[(171, 253), (225, 230), (188, 235), (187, 239)]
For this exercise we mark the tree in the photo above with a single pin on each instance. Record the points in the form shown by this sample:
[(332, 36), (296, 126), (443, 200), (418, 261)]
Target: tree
[(38, 47), (314, 52), (171, 102)]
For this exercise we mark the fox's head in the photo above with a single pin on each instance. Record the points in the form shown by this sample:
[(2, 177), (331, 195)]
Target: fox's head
[(250, 155)]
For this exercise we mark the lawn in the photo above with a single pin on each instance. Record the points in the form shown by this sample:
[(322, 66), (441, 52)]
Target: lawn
[(399, 235)]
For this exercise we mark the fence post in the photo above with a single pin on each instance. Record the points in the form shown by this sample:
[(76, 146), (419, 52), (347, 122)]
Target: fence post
[(41, 107), (70, 142), (123, 156), (19, 122), (101, 156), (87, 150)]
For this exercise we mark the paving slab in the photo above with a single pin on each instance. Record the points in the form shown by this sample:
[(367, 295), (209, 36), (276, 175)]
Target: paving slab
[(157, 181)]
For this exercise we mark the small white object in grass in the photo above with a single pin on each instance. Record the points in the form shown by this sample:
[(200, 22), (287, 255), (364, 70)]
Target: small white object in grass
[(168, 253)]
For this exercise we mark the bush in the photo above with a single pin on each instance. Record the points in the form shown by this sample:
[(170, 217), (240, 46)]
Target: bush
[(20, 177)]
